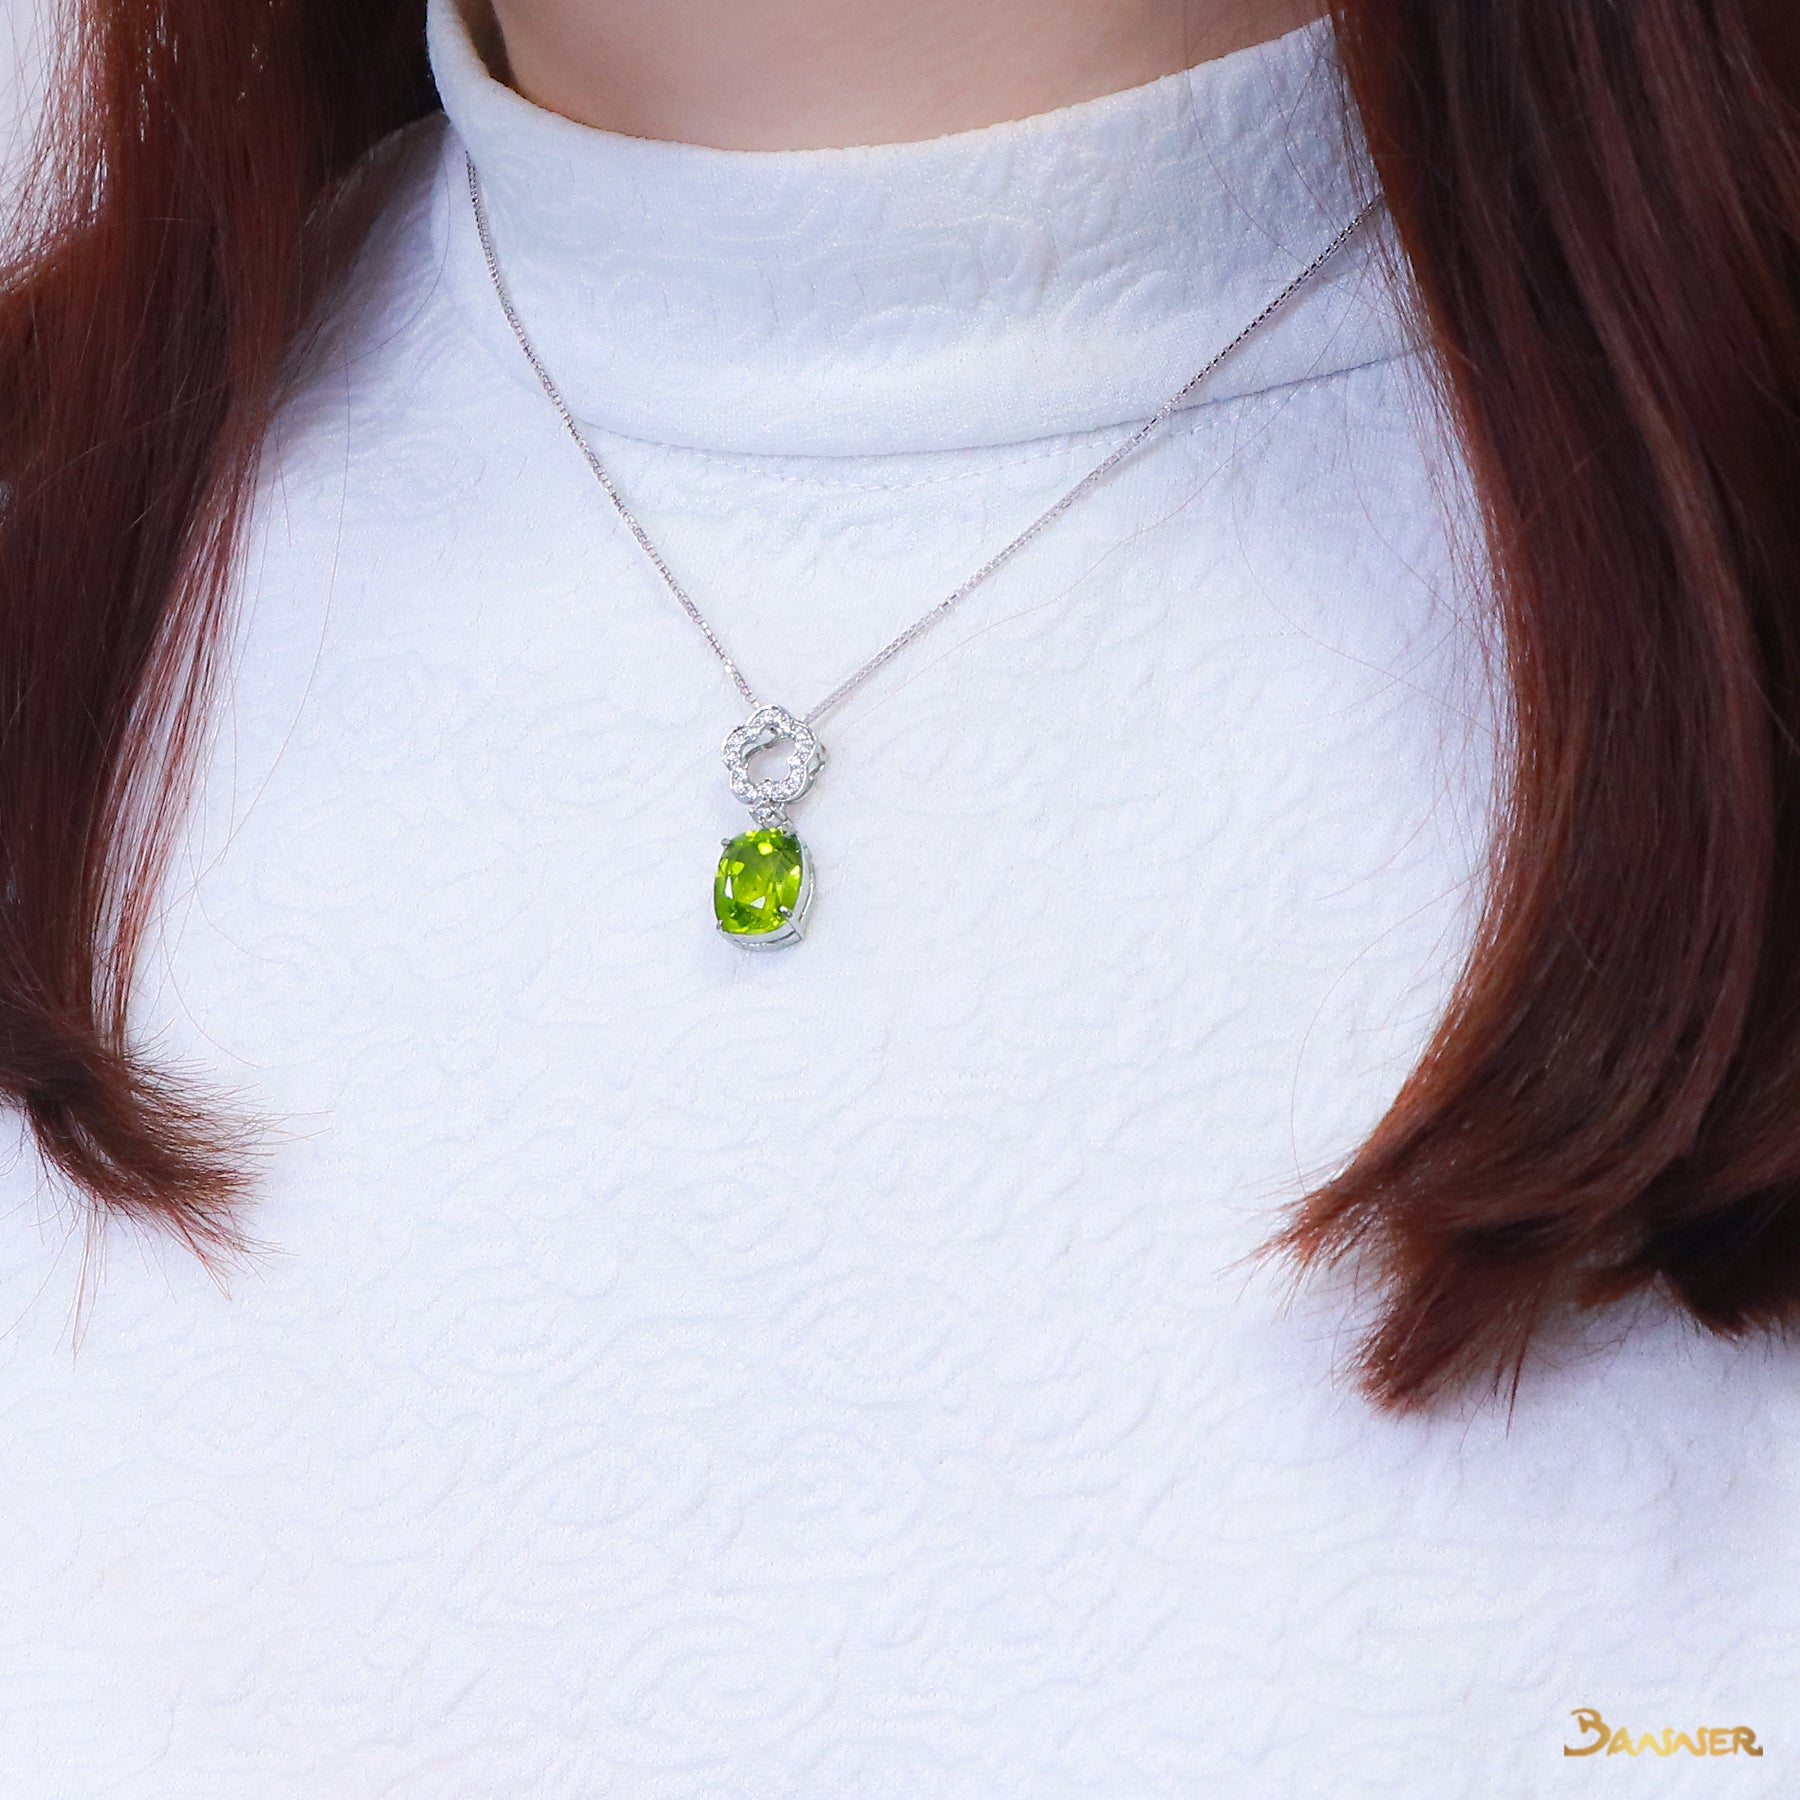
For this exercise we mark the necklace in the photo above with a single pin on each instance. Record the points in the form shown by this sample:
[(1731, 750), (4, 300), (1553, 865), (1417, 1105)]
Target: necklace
[(764, 883)]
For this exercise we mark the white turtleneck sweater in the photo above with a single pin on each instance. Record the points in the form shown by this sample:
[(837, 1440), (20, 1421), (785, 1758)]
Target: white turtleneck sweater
[(839, 1373)]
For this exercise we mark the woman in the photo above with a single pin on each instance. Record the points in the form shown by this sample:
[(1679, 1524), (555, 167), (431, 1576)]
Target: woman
[(851, 1370)]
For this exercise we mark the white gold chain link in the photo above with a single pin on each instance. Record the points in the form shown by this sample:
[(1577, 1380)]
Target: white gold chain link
[(998, 560)]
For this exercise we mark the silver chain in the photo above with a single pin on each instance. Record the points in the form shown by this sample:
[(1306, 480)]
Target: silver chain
[(998, 560)]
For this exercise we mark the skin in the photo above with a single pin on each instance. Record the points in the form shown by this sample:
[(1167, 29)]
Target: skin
[(818, 74)]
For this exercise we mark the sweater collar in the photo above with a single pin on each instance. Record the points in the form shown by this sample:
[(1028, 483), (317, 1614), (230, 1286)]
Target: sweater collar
[(1062, 273)]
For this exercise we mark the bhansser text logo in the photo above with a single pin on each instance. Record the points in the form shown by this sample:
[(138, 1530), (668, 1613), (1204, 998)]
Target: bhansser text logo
[(1707, 1740)]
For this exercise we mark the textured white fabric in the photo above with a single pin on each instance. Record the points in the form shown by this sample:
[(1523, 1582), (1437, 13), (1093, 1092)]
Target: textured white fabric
[(894, 299), (838, 1374)]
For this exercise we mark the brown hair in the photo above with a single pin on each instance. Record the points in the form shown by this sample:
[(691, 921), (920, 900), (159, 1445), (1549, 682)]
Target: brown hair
[(1599, 201), (1600, 204)]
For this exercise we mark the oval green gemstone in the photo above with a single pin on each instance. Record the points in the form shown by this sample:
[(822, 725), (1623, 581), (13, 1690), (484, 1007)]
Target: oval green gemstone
[(757, 887)]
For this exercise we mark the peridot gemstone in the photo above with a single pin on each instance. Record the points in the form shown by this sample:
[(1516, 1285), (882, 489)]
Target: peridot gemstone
[(757, 888)]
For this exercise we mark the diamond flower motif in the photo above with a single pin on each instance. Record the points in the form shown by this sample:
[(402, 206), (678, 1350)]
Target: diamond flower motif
[(766, 726)]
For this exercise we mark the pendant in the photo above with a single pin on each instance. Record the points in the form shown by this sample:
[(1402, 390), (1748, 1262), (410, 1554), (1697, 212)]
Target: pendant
[(764, 885)]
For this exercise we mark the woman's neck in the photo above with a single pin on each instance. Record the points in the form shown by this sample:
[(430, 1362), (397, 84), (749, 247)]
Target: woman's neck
[(815, 74)]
